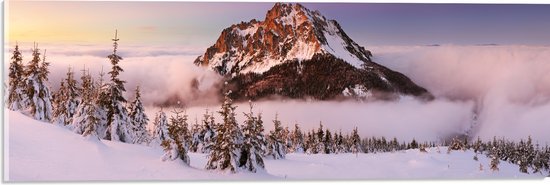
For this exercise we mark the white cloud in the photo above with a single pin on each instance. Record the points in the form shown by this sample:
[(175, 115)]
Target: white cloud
[(163, 72), (509, 86)]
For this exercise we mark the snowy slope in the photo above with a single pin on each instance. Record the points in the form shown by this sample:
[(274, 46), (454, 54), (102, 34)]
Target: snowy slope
[(39, 151)]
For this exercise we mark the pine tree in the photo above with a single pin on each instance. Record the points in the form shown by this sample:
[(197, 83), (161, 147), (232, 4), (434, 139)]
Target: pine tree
[(197, 138), (16, 82), (525, 155), (355, 142), (339, 143), (175, 145), (208, 132), (456, 144), (287, 140), (226, 150), (328, 142), (538, 161), (101, 88), (160, 128), (254, 143), (66, 100), (311, 143), (414, 144), (117, 116), (85, 116), (494, 159), (276, 148), (298, 139), (36, 87), (395, 144), (477, 145), (90, 121), (138, 120), (319, 144)]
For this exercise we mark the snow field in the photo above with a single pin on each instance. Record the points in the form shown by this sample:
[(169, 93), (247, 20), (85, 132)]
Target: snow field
[(39, 151)]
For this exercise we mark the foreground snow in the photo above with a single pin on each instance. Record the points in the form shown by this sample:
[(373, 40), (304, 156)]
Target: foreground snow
[(39, 151)]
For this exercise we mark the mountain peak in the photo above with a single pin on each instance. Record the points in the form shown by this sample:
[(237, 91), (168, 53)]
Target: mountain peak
[(289, 32), (287, 13), (293, 48)]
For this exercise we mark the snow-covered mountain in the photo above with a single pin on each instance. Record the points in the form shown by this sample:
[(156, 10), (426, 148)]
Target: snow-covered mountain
[(296, 52)]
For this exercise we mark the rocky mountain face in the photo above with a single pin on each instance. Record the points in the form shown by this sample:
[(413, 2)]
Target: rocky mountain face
[(298, 53)]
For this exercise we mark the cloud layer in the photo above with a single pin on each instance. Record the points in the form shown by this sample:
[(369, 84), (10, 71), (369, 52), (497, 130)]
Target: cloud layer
[(510, 84), (164, 72), (508, 87)]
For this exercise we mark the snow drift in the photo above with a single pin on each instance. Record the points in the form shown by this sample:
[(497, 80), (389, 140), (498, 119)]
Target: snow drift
[(39, 151)]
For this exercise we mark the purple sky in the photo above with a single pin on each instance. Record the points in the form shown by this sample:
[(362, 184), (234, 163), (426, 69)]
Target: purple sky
[(418, 24), (199, 24)]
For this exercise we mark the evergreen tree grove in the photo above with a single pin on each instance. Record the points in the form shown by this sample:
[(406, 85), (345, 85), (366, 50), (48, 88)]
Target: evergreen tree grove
[(85, 116), (66, 100)]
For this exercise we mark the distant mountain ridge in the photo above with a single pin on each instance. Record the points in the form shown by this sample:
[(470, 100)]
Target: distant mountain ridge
[(299, 53)]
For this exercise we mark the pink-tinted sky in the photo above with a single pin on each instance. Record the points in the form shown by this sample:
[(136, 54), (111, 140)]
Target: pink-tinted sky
[(200, 23)]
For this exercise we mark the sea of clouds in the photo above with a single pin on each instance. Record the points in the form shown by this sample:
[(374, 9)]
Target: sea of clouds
[(506, 87)]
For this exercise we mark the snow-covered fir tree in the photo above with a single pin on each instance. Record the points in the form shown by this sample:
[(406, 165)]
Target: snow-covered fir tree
[(16, 82), (538, 161), (477, 146), (175, 145), (355, 142), (297, 139), (494, 159), (138, 120), (160, 128), (86, 112), (336, 143), (103, 102), (226, 149), (456, 144), (320, 137), (196, 137), (276, 147), (117, 116), (208, 133), (186, 134), (66, 100), (311, 143), (254, 143), (37, 89), (414, 144), (91, 119), (328, 142), (289, 142), (526, 153)]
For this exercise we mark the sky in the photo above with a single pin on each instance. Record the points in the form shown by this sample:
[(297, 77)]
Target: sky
[(198, 24)]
